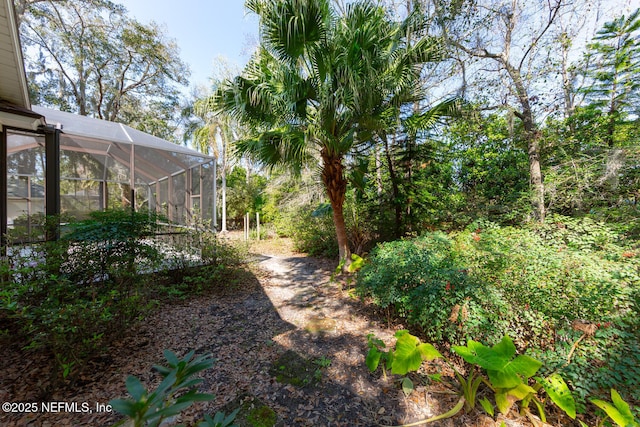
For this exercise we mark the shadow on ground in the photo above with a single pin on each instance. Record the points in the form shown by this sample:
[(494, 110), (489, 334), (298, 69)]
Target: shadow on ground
[(285, 317)]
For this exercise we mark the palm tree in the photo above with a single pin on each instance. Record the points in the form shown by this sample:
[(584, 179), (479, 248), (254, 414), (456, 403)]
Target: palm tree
[(322, 83), (213, 132)]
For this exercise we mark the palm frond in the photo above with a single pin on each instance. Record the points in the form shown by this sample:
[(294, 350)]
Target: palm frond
[(289, 27), (277, 147), (428, 119), (326, 81)]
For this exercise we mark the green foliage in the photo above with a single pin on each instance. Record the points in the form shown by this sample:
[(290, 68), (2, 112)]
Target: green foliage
[(220, 419), (585, 177), (119, 69), (176, 392), (111, 246), (592, 154), (314, 235), (410, 352), (487, 406), (323, 362), (377, 354), (618, 410), (356, 263), (71, 297), (503, 370), (507, 376), (327, 80), (244, 196), (490, 162), (533, 284), (407, 386), (424, 281), (469, 388), (408, 355), (558, 391), (611, 71)]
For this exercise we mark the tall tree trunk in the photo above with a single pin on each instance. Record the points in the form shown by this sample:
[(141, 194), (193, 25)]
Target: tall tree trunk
[(535, 174), (336, 186), (532, 136), (395, 190)]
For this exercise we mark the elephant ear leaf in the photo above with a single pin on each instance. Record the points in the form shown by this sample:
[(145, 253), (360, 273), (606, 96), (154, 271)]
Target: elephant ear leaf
[(410, 353), (619, 412), (559, 392), (406, 356), (622, 406), (505, 348), (373, 359)]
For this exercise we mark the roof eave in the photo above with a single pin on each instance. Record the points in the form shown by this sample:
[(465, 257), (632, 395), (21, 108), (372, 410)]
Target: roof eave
[(17, 48), (17, 116)]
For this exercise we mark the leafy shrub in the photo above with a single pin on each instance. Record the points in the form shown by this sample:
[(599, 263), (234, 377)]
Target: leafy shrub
[(567, 273), (195, 259), (608, 359), (577, 233), (70, 297), (312, 230), (537, 285), (424, 280), (176, 392)]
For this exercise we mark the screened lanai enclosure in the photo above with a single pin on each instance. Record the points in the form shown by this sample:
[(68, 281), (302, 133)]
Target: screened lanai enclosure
[(64, 165), (101, 165)]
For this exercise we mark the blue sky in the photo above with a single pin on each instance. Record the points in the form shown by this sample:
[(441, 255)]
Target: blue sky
[(203, 29)]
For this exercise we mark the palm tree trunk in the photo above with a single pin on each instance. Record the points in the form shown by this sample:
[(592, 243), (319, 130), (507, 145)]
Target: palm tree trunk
[(336, 186)]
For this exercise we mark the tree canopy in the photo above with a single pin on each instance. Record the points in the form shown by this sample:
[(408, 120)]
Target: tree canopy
[(91, 58), (323, 82)]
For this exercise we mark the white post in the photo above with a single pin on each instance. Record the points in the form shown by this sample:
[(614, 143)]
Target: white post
[(132, 176), (246, 226), (258, 225), (214, 216)]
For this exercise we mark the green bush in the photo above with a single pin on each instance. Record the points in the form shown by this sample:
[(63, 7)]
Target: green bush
[(312, 230), (70, 297), (424, 280), (535, 285)]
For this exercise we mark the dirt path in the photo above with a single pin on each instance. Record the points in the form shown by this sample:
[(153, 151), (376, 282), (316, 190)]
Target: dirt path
[(329, 324), (284, 313), (301, 290)]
